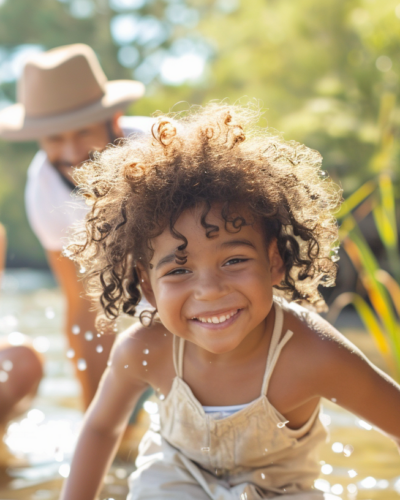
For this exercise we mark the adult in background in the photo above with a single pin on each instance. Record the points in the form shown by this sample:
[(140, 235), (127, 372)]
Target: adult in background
[(66, 103)]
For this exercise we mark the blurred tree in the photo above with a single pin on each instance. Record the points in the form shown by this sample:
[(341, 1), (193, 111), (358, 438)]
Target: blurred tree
[(320, 69)]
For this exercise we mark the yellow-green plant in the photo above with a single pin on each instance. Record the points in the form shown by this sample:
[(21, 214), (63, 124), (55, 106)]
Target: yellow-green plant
[(381, 315)]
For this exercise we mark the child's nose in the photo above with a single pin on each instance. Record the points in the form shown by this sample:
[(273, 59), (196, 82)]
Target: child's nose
[(210, 286)]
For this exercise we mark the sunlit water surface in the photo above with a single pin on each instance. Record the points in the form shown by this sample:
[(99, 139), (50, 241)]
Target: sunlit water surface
[(357, 463)]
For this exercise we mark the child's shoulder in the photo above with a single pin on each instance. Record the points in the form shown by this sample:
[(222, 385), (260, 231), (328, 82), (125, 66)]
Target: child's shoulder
[(318, 349), (138, 349)]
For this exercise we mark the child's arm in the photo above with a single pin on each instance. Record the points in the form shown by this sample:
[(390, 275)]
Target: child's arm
[(106, 420), (343, 373)]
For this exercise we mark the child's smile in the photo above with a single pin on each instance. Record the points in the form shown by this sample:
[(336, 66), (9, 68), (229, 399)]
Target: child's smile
[(223, 291)]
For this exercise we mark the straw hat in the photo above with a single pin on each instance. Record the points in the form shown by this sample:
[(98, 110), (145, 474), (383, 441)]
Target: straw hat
[(64, 89)]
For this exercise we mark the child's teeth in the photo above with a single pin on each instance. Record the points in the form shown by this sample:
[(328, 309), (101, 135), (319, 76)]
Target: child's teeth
[(223, 318), (209, 320), (215, 319)]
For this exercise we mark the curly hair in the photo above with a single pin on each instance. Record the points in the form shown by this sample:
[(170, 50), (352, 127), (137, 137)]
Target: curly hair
[(206, 156)]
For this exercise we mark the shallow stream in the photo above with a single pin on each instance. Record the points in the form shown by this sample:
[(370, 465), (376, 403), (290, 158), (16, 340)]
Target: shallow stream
[(357, 463)]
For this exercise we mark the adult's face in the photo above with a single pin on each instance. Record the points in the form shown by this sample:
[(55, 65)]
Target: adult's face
[(70, 149)]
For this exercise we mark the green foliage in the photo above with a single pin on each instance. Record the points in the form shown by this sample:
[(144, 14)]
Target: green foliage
[(324, 70)]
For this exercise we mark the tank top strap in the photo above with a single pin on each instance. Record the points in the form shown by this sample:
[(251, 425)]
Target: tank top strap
[(178, 345), (275, 347)]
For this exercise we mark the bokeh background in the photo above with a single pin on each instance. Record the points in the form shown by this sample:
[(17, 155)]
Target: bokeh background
[(321, 70), (327, 74)]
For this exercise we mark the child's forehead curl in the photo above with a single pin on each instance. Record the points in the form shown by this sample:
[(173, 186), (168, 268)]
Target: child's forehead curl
[(208, 221)]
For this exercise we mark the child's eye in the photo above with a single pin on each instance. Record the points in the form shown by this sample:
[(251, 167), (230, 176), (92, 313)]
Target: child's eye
[(235, 261), (180, 270)]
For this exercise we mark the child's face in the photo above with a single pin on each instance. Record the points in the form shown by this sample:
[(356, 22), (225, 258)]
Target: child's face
[(224, 290)]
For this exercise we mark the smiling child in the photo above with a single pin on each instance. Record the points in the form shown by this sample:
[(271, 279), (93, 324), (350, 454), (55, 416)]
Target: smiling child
[(228, 231)]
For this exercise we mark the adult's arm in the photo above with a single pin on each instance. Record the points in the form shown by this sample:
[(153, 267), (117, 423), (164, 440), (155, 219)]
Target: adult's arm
[(79, 314)]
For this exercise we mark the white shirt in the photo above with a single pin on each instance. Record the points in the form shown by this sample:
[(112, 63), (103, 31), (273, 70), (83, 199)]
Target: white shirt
[(50, 208)]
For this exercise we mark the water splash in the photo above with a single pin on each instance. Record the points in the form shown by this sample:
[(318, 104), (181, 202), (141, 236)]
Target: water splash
[(337, 489), (126, 366), (99, 348), (352, 473), (144, 362), (3, 376), (162, 397), (81, 365), (76, 329), (262, 475)]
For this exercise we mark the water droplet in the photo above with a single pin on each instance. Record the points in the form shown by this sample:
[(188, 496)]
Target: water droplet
[(109, 362), (3, 376), (333, 400), (64, 470), (352, 489), (348, 450), (165, 334), (364, 425), (81, 365), (266, 449), (76, 329), (352, 473), (282, 424), (70, 353), (323, 174), (325, 419), (98, 335), (326, 469), (89, 336), (121, 473), (49, 313), (162, 397), (146, 351), (335, 258), (262, 475), (99, 348), (369, 482), (7, 365), (205, 449), (126, 366), (337, 489), (41, 344), (36, 416), (383, 484), (16, 338), (144, 362), (337, 447)]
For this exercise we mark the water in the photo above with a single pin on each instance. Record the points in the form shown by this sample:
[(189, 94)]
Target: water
[(357, 464)]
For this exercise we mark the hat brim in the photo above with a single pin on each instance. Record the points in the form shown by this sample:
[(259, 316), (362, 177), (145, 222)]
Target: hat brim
[(16, 126)]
